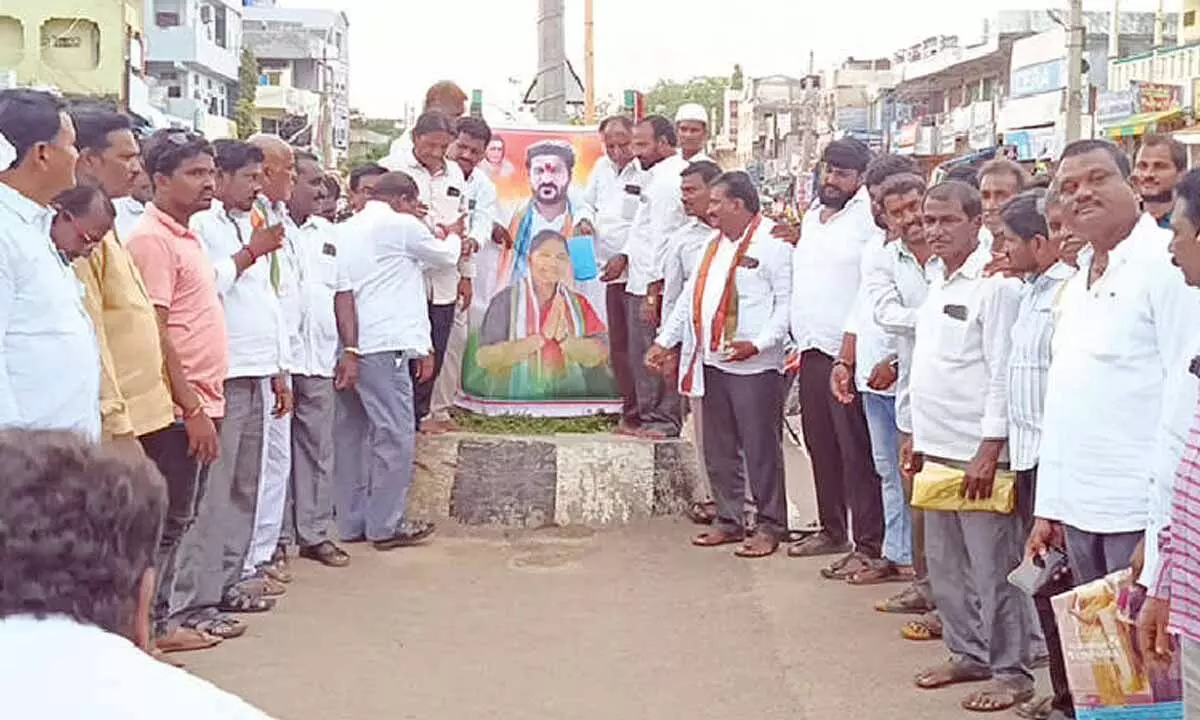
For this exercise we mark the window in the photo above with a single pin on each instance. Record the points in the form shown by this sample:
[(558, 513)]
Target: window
[(1189, 18), (12, 41), (71, 44), (166, 19), (174, 91), (220, 27), (274, 77)]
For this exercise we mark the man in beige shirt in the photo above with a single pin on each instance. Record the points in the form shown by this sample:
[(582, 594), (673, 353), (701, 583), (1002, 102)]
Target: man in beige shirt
[(135, 396)]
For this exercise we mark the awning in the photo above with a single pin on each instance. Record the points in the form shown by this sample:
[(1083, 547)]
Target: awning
[(1135, 125)]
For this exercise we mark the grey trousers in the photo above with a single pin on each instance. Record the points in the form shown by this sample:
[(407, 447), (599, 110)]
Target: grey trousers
[(659, 406), (374, 437), (744, 419), (1092, 555), (214, 547), (309, 510), (985, 619)]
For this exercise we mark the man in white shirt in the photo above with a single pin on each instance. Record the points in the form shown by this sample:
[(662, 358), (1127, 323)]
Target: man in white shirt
[(84, 612), (382, 332), (362, 179), (307, 516), (442, 190), (613, 192), (959, 388), (257, 342), (826, 275), (691, 124), (687, 248), (659, 215), (1000, 180), (472, 135), (871, 350), (445, 97), (131, 207), (732, 323), (1124, 324), (1029, 252), (896, 287), (278, 180), (49, 362)]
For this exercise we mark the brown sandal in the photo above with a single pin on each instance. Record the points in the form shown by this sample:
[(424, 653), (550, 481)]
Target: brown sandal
[(717, 537), (951, 672), (927, 627), (758, 545)]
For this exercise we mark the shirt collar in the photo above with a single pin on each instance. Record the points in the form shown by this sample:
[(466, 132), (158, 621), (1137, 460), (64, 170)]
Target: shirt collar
[(410, 158), (972, 269), (169, 222), (1058, 271), (860, 196), (28, 210)]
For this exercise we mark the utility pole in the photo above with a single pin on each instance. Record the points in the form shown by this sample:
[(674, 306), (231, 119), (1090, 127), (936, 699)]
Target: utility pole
[(1160, 25), (552, 63), (589, 65), (1114, 32), (1074, 71)]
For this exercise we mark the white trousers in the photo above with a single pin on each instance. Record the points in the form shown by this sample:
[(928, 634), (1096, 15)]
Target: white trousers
[(449, 381), (273, 485)]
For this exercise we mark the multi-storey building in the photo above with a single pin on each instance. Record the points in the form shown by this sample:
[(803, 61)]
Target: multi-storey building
[(194, 53), (304, 67)]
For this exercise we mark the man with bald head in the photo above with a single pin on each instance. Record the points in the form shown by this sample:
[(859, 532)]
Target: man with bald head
[(278, 181)]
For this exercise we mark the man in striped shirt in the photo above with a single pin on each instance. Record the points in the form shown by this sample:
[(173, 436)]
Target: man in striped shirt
[(1028, 250), (1172, 571)]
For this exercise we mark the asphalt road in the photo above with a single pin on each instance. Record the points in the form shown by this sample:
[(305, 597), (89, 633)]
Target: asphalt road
[(562, 624)]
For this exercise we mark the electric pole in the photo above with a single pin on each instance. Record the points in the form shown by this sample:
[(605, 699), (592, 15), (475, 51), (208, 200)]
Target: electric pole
[(589, 65), (552, 63), (1074, 71)]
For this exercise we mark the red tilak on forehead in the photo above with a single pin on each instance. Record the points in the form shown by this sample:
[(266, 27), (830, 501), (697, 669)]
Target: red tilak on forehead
[(548, 166)]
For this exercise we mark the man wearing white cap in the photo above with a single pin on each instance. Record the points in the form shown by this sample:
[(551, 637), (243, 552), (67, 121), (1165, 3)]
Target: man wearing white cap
[(691, 125)]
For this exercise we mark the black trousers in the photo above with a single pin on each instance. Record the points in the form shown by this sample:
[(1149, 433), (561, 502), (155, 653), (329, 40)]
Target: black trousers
[(839, 445), (1026, 489), (618, 348), (743, 432), (441, 320), (168, 450)]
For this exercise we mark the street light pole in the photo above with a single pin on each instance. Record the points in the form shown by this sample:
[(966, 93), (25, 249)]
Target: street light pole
[(1075, 71), (589, 65)]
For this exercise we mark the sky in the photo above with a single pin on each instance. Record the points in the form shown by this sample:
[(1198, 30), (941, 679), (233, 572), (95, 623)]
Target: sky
[(400, 47)]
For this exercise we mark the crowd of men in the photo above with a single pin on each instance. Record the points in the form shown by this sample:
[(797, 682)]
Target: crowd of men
[(211, 308), (1032, 354)]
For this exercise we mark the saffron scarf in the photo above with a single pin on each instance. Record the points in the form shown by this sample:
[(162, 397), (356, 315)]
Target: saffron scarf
[(514, 261), (724, 324)]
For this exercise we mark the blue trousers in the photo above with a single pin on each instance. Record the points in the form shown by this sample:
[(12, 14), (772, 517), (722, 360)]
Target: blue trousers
[(885, 448)]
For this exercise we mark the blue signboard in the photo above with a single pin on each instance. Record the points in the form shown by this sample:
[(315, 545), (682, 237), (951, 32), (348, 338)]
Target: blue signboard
[(1036, 79)]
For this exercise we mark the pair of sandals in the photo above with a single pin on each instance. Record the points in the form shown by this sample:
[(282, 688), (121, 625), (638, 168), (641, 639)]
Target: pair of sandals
[(999, 694), (759, 544)]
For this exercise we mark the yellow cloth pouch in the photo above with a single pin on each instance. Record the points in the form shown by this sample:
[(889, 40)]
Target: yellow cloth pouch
[(939, 487)]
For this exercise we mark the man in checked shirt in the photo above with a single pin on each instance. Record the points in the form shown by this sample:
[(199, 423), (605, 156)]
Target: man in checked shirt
[(1172, 568)]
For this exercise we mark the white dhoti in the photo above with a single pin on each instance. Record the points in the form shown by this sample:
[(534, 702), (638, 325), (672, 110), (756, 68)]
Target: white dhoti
[(273, 485)]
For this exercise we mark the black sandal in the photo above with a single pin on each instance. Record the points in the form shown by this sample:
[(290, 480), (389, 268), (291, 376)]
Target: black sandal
[(220, 626)]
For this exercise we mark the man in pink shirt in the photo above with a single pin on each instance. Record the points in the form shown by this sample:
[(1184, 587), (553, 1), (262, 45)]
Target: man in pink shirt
[(180, 283), (1172, 565)]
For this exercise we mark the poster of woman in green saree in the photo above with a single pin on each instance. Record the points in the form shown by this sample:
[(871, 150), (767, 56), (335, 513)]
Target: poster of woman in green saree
[(539, 338)]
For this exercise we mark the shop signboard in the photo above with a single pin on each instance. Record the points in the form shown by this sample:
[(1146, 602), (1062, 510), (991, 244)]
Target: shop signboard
[(1112, 107), (1039, 78), (982, 136), (1157, 97)]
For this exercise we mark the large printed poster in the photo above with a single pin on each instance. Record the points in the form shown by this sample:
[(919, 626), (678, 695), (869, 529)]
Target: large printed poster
[(538, 342)]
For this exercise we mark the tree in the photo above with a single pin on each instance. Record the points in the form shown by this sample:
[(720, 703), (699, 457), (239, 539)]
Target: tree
[(244, 115), (667, 95)]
